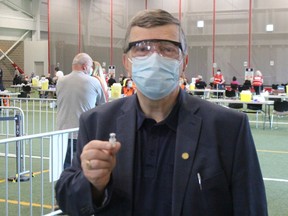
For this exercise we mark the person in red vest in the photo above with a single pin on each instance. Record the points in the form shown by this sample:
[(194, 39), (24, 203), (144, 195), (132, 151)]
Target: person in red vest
[(257, 82), (219, 80), (128, 87)]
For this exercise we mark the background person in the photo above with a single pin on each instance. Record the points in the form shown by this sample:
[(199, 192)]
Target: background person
[(128, 87), (247, 85), (200, 84), (257, 82), (111, 79), (219, 80), (234, 83), (98, 73), (17, 80), (171, 158), (58, 75), (76, 93)]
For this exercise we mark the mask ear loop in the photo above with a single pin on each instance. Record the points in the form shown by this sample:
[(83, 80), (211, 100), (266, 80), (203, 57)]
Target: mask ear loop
[(130, 60)]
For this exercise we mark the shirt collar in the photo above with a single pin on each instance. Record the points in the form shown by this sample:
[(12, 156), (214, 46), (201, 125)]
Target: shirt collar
[(171, 120)]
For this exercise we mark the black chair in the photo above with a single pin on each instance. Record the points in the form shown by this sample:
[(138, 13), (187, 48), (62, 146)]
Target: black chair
[(274, 86), (280, 110), (25, 93), (255, 109), (232, 94), (234, 87)]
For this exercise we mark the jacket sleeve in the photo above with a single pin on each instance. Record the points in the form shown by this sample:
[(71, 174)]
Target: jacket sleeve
[(248, 189), (73, 190)]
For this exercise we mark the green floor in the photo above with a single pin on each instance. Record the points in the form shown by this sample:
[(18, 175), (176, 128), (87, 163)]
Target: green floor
[(272, 148)]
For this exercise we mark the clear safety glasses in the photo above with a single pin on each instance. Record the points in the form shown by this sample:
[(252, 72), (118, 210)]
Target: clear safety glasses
[(165, 48)]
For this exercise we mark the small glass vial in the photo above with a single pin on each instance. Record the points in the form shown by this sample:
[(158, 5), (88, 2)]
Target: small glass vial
[(112, 139)]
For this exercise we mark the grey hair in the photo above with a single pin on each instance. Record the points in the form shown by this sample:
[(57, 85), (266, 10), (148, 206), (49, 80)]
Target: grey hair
[(82, 58), (258, 73), (153, 18)]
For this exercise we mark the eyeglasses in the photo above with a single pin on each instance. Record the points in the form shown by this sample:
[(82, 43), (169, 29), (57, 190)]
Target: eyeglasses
[(165, 48)]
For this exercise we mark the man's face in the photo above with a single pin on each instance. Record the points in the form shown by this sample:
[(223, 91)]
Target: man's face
[(166, 32)]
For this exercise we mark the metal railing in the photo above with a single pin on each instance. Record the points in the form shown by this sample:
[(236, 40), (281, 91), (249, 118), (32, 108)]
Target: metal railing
[(40, 114), (31, 192)]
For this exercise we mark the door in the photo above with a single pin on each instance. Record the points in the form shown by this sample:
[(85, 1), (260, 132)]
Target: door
[(39, 68)]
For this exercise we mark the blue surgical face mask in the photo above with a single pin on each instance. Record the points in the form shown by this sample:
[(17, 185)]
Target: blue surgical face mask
[(129, 84), (155, 76)]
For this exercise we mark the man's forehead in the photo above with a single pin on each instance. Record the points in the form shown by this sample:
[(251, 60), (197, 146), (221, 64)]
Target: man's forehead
[(165, 32)]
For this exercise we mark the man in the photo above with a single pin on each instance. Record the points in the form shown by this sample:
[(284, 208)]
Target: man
[(219, 80), (171, 157), (200, 84), (76, 93)]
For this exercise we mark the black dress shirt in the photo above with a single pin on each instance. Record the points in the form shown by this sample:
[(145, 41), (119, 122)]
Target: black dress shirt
[(154, 164)]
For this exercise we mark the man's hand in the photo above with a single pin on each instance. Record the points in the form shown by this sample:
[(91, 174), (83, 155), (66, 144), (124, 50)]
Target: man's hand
[(98, 159)]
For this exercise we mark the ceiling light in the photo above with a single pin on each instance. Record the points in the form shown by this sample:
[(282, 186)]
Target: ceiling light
[(200, 23), (270, 28)]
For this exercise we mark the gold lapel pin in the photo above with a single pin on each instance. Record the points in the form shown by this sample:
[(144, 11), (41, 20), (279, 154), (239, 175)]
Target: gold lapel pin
[(185, 155)]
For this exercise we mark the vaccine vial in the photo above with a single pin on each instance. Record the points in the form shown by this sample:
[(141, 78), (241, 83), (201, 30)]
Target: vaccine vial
[(112, 139)]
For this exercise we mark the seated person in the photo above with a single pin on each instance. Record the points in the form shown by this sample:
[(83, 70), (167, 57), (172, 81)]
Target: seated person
[(200, 84), (128, 88), (247, 85), (234, 84), (17, 80)]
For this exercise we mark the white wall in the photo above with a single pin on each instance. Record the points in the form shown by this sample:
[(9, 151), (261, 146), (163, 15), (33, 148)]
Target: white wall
[(35, 51)]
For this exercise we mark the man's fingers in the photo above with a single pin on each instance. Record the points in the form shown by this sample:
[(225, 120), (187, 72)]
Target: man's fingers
[(102, 145), (97, 164)]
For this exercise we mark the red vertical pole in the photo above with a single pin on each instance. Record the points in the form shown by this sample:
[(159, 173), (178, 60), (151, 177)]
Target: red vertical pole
[(79, 26), (146, 4), (249, 34), (49, 45), (213, 37), (180, 10), (111, 32)]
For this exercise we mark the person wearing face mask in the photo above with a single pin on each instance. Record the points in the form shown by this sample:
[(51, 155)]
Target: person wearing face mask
[(170, 157), (76, 93), (219, 80), (128, 88)]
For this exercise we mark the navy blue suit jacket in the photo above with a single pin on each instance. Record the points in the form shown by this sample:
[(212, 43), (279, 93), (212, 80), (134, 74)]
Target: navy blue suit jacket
[(220, 148)]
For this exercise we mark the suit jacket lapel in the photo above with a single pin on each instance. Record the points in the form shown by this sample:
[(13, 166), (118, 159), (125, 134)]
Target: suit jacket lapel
[(186, 144), (126, 131)]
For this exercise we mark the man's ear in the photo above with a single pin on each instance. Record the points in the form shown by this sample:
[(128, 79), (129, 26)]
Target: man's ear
[(83, 66), (127, 64), (185, 63)]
